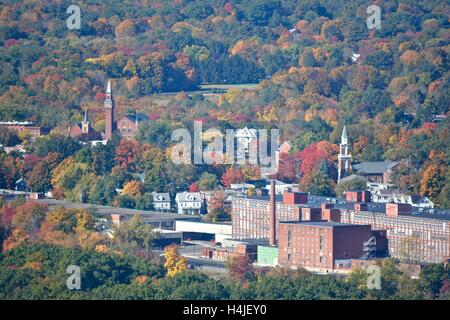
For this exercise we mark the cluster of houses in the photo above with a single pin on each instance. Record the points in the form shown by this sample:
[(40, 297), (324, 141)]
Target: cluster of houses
[(195, 203)]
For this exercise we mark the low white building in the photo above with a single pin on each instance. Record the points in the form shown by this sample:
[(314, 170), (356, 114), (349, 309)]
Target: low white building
[(388, 196), (282, 187), (245, 138), (220, 231), (161, 201), (241, 187), (189, 202)]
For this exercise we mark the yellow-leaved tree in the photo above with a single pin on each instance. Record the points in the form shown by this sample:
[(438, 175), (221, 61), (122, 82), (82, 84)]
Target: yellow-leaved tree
[(174, 261)]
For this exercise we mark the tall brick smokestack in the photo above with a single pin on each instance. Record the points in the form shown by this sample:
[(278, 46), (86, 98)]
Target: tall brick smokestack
[(272, 215)]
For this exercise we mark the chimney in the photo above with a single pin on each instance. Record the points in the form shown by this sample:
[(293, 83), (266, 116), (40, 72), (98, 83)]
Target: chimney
[(272, 215), (396, 209), (360, 206)]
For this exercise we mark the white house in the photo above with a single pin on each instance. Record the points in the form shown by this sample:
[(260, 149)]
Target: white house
[(161, 201), (241, 187), (244, 139), (189, 202), (386, 196), (281, 187)]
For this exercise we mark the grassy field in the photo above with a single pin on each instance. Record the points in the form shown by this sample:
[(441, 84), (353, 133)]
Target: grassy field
[(211, 91), (226, 87)]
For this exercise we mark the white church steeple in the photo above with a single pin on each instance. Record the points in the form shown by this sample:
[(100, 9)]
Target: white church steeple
[(344, 157)]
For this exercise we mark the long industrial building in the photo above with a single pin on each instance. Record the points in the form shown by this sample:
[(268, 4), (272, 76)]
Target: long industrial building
[(292, 227), (421, 238)]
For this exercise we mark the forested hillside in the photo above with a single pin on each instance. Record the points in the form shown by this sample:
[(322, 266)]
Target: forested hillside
[(150, 46), (299, 52)]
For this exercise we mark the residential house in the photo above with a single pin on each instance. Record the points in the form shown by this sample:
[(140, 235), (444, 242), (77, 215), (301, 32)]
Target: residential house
[(394, 196), (21, 185), (285, 147), (282, 187), (241, 187), (245, 139), (161, 201), (190, 203)]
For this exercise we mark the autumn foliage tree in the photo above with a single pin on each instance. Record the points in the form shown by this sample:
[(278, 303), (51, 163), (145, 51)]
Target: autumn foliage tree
[(240, 268), (174, 262), (218, 209), (289, 167), (232, 175), (126, 155), (133, 188), (194, 187), (433, 181)]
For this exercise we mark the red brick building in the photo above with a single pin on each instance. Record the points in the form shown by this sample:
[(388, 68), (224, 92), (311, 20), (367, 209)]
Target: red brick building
[(317, 245), (127, 126), (358, 196), (25, 126), (424, 237), (223, 254), (251, 215)]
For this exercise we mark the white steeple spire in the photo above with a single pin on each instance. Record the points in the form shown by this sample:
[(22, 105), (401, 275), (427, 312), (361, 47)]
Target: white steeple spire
[(108, 89), (344, 157), (85, 123), (344, 138)]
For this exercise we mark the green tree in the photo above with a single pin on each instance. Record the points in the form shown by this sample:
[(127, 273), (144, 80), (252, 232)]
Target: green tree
[(8, 138), (134, 236), (353, 184), (207, 181)]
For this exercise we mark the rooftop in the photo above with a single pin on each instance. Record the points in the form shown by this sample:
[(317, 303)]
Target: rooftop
[(322, 223), (161, 197), (352, 177), (372, 207), (377, 167), (188, 196), (107, 210), (16, 123)]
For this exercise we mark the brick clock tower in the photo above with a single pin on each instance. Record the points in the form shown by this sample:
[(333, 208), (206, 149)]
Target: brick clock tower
[(109, 113), (344, 157)]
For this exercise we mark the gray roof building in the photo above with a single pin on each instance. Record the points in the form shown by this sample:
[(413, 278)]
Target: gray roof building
[(377, 167)]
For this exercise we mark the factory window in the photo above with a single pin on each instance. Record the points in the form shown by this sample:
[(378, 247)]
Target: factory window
[(289, 237)]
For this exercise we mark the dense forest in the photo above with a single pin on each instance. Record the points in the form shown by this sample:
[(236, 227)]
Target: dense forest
[(39, 272)]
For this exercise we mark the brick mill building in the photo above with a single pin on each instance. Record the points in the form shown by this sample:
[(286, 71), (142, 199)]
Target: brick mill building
[(290, 232), (252, 218), (421, 238), (320, 245)]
